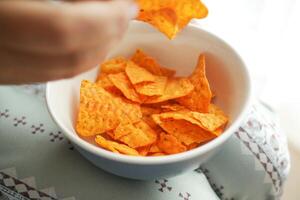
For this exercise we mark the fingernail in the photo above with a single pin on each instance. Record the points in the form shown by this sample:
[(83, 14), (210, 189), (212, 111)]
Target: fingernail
[(133, 11)]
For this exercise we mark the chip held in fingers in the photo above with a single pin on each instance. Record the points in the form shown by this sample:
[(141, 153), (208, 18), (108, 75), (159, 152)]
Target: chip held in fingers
[(136, 107), (170, 16)]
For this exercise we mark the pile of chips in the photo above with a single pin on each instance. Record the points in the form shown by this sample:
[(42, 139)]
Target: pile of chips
[(170, 16), (138, 107)]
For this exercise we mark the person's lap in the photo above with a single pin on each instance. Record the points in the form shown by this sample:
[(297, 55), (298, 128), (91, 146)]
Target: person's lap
[(253, 164)]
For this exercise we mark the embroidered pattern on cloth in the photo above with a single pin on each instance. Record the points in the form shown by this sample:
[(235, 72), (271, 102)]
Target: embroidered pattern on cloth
[(261, 134)]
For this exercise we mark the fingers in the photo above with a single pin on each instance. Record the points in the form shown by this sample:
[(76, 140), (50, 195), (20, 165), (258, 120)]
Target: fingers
[(25, 67), (41, 41), (60, 28)]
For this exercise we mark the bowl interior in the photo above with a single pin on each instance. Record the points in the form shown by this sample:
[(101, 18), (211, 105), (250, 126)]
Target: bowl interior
[(226, 72)]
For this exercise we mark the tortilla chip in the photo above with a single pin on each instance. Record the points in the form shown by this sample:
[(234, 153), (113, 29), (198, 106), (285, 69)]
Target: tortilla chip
[(147, 62), (151, 134), (164, 19), (150, 110), (137, 74), (199, 100), (143, 151), (113, 66), (106, 83), (154, 148), (115, 147), (158, 154), (170, 16), (155, 88), (207, 121), (135, 135), (172, 107), (214, 109), (101, 111), (193, 146), (175, 88), (219, 131), (186, 132), (169, 144), (102, 142), (121, 81)]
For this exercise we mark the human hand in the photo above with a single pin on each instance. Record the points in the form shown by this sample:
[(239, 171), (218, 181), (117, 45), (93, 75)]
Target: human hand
[(41, 41)]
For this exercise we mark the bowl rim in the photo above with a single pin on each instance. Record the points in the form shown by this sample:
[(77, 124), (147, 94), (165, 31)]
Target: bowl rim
[(180, 157)]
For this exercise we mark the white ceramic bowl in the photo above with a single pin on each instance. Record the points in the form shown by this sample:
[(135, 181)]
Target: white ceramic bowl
[(227, 74)]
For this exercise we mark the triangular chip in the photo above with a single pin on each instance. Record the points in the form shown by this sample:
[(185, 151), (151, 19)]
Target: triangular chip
[(214, 109), (115, 147), (147, 62), (173, 107), (106, 83), (154, 148), (207, 121), (143, 151), (192, 146), (186, 132), (121, 81), (101, 111), (155, 88), (135, 135), (175, 88), (170, 16), (198, 100), (169, 144), (138, 74), (149, 110), (158, 154), (113, 66), (164, 19)]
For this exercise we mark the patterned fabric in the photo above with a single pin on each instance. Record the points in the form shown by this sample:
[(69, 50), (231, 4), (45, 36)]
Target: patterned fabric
[(262, 161), (253, 164)]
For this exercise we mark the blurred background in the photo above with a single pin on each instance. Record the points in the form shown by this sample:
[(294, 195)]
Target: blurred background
[(267, 35)]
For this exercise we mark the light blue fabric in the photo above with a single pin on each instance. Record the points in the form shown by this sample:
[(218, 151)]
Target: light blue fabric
[(252, 165)]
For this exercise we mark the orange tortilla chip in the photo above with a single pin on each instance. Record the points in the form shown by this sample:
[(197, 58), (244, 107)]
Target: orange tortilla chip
[(158, 154), (169, 144), (154, 148), (101, 111), (149, 110), (121, 81), (207, 121), (164, 19), (147, 62), (214, 109), (106, 83), (192, 146), (143, 151), (175, 88), (186, 132), (135, 135), (170, 16), (219, 131), (138, 74), (114, 66), (156, 88), (199, 100), (115, 147), (151, 123), (172, 107)]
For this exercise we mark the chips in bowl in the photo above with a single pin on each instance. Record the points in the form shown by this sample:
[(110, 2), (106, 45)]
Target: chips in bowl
[(137, 107)]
